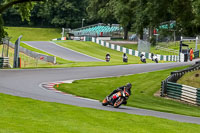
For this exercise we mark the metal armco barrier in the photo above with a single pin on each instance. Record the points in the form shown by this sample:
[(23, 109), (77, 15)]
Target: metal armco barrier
[(36, 55), (171, 89), (4, 62)]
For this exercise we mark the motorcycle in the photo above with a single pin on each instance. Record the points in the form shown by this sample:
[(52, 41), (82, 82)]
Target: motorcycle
[(107, 58), (125, 59), (143, 58), (155, 59), (119, 98)]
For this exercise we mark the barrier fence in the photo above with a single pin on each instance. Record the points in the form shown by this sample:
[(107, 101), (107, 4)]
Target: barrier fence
[(4, 62), (134, 52), (183, 92), (36, 55), (171, 89)]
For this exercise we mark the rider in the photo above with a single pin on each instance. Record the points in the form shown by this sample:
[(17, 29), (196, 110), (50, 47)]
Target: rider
[(125, 57), (127, 87), (108, 57)]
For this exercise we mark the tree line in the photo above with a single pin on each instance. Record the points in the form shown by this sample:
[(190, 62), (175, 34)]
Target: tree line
[(132, 15)]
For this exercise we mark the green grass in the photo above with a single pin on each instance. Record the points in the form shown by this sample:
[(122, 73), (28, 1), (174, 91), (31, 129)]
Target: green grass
[(98, 51), (26, 115), (33, 34), (190, 79), (144, 87)]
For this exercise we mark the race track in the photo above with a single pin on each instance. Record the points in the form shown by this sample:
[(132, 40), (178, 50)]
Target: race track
[(27, 83), (65, 53)]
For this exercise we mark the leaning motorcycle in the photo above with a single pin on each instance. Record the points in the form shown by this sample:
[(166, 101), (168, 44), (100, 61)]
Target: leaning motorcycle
[(119, 98)]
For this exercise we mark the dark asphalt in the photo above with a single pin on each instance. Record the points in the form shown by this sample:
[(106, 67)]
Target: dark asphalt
[(65, 53), (26, 83)]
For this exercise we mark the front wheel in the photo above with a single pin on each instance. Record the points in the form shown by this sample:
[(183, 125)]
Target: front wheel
[(118, 102), (105, 102)]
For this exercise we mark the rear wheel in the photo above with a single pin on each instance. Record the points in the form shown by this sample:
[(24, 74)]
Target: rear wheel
[(118, 102), (156, 61)]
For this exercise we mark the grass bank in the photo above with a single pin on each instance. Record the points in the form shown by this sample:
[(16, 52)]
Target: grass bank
[(98, 51), (33, 34), (144, 87), (191, 79), (26, 115)]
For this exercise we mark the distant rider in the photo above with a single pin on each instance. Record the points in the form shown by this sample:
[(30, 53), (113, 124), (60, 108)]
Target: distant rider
[(107, 57), (127, 88), (125, 57)]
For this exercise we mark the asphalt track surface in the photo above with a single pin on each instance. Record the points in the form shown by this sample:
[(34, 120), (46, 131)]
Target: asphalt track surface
[(27, 83), (65, 53)]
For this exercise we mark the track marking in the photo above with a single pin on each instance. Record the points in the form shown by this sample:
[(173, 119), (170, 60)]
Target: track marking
[(50, 87)]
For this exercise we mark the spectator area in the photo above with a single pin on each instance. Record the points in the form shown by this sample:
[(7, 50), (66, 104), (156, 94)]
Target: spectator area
[(97, 30)]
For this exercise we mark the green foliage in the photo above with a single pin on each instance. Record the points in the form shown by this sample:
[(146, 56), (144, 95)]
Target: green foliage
[(24, 10), (2, 32), (153, 41)]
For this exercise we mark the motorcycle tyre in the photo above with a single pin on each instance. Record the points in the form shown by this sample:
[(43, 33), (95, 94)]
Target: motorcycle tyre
[(121, 102), (156, 61), (105, 102)]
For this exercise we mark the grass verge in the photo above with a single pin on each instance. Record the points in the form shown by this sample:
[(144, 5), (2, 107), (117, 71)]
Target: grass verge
[(26, 115), (144, 87), (191, 79)]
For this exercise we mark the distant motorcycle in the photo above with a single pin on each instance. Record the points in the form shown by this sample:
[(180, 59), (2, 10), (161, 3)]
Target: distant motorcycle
[(143, 58), (155, 59), (107, 58), (125, 59), (116, 99)]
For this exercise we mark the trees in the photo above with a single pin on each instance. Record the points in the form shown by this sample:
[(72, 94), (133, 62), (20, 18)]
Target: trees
[(140, 14), (24, 8), (54, 13), (134, 15), (112, 11), (5, 4)]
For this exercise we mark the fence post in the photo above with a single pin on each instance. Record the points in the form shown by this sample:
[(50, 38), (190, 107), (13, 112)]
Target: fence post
[(163, 88), (16, 53)]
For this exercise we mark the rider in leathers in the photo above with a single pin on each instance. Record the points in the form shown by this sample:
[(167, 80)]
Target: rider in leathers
[(128, 89)]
